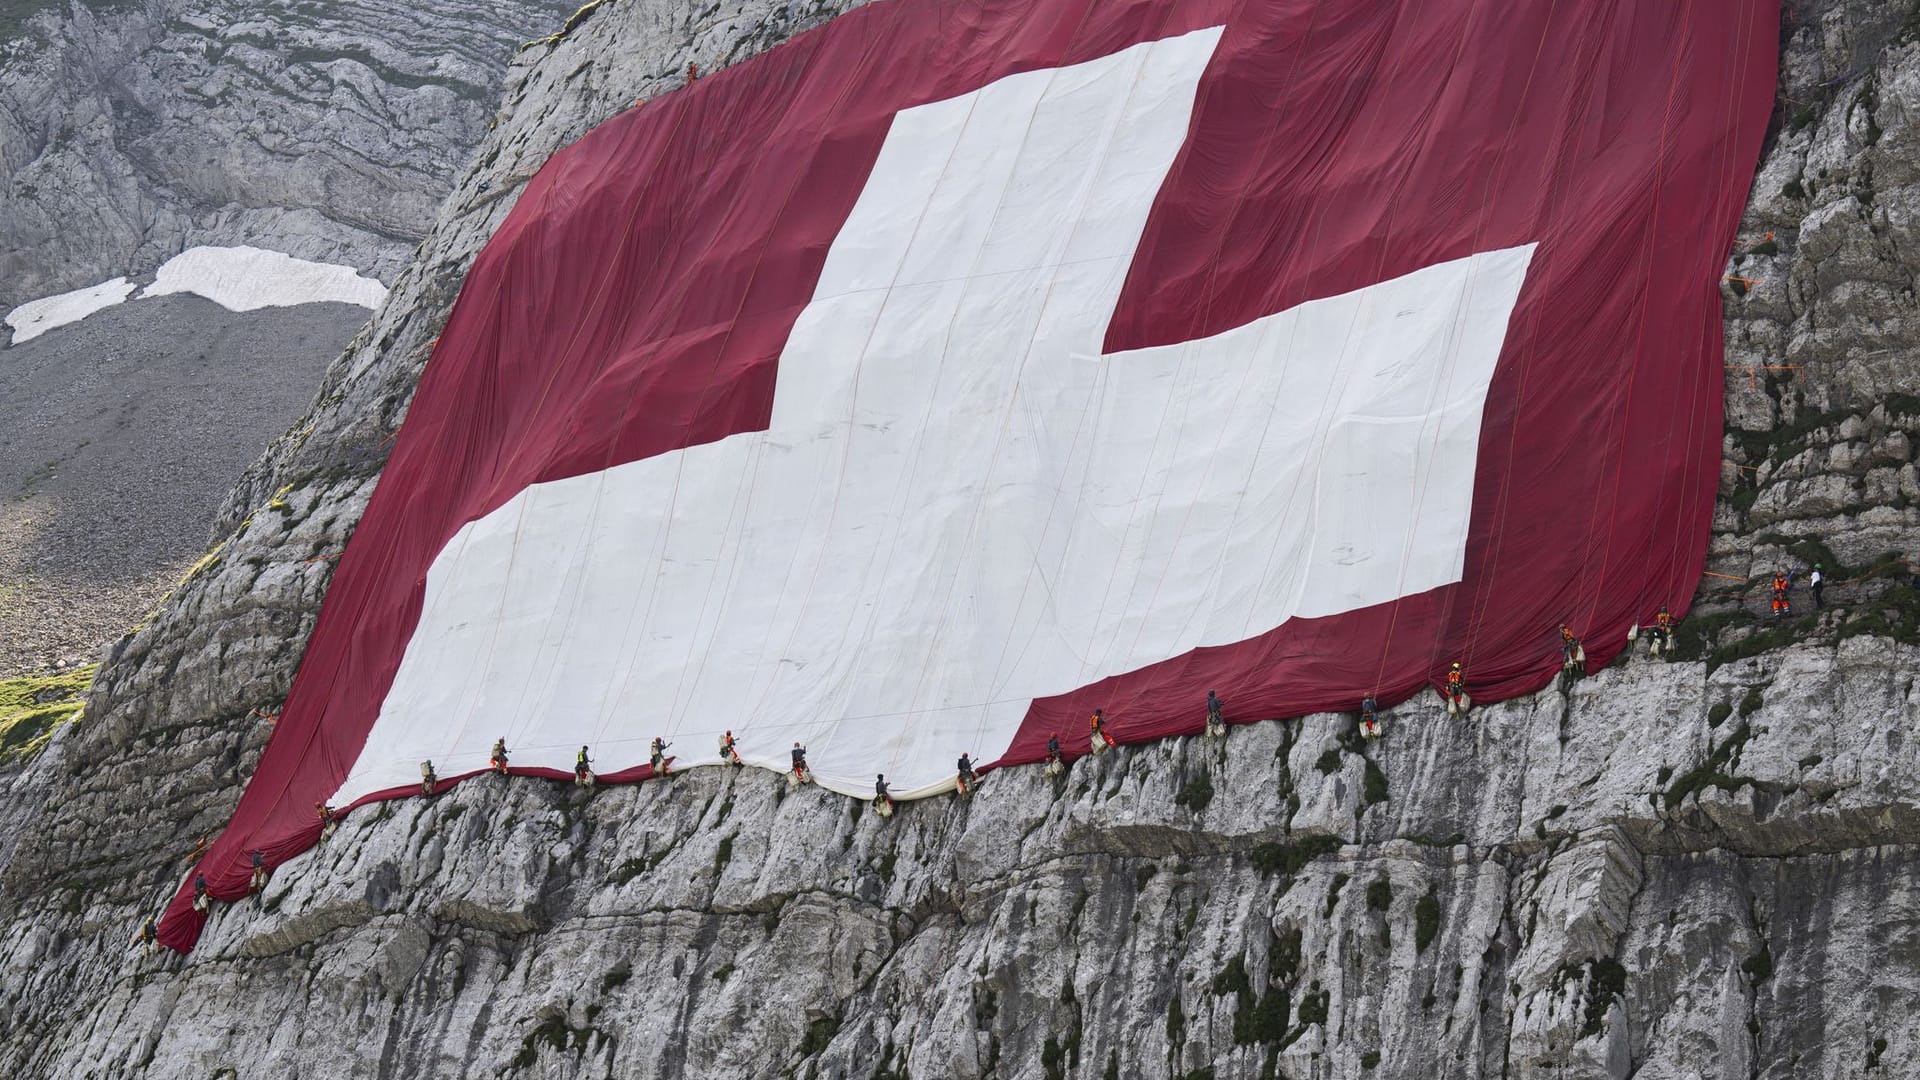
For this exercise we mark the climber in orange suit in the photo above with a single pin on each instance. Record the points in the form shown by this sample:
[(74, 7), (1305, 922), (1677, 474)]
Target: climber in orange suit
[(1456, 692), (1097, 726)]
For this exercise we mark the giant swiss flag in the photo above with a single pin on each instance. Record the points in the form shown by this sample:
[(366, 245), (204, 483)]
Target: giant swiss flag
[(953, 370)]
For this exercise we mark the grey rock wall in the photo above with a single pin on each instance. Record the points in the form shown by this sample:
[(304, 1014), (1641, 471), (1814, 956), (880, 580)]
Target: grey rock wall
[(130, 131), (1708, 867)]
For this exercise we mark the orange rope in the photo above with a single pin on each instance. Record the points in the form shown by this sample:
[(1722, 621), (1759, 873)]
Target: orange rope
[(1639, 341), (1753, 370)]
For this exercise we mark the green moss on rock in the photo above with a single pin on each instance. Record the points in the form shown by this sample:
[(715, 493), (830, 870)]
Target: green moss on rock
[(32, 706)]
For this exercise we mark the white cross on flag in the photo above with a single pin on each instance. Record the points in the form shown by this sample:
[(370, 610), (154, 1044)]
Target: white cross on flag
[(954, 370)]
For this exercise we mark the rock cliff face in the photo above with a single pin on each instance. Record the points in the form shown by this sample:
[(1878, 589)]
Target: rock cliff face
[(1703, 867), (130, 131), (141, 418)]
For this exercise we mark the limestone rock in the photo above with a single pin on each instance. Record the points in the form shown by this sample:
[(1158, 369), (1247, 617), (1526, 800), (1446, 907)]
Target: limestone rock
[(1689, 868), (130, 132)]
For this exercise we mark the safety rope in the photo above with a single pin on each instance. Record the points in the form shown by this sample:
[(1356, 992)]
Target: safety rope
[(442, 438), (1097, 389), (872, 44), (1481, 596), (1209, 294), (567, 358), (1724, 168), (1640, 330), (1007, 413), (1449, 368)]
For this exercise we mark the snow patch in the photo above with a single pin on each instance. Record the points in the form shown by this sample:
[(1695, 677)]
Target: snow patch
[(36, 317), (236, 278), (249, 278)]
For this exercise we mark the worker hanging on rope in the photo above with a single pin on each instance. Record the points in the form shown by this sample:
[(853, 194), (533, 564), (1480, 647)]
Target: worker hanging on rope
[(498, 758), (657, 756), (259, 879), (693, 72), (583, 768), (1098, 739), (1055, 764), (201, 897), (1572, 654), (728, 753), (1369, 717), (199, 848), (963, 777), (149, 936), (799, 775), (327, 819), (427, 778), (882, 802), (1456, 692), (1781, 583), (1660, 637), (1816, 581), (1216, 723)]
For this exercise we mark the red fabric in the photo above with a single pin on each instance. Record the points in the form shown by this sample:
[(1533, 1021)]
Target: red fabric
[(637, 299)]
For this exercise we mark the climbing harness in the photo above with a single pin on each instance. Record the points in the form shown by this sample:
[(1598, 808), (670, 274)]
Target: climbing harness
[(1455, 695), (1097, 739)]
